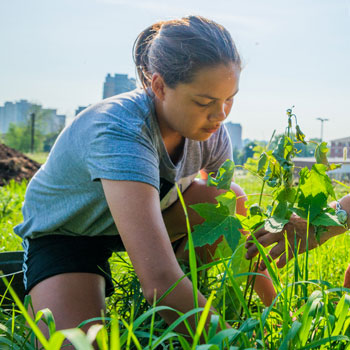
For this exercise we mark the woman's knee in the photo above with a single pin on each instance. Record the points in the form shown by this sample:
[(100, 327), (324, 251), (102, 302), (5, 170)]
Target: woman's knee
[(199, 192), (71, 297)]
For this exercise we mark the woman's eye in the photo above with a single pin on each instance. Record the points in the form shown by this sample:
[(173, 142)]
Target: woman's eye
[(202, 104)]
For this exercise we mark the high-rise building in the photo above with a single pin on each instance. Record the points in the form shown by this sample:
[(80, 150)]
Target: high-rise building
[(338, 145), (19, 113), (117, 84), (235, 132), (13, 112), (80, 109)]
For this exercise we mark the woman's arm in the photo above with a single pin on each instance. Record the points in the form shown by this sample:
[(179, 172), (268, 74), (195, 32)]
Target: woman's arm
[(136, 211)]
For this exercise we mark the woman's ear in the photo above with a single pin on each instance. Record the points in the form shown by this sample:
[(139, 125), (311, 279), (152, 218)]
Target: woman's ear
[(158, 86)]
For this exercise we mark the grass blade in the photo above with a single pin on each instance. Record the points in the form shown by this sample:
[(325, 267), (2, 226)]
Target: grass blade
[(202, 320), (115, 333), (31, 323), (290, 335), (192, 253)]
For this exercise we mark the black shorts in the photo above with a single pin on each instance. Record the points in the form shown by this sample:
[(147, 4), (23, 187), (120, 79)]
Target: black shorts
[(52, 255)]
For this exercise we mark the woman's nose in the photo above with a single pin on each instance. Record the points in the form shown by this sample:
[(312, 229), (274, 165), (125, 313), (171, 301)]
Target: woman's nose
[(219, 115)]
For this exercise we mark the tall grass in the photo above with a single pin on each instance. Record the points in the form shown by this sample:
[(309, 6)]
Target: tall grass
[(311, 310), (11, 198), (39, 157)]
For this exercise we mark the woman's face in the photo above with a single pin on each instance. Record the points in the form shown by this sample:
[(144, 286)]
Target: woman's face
[(196, 110)]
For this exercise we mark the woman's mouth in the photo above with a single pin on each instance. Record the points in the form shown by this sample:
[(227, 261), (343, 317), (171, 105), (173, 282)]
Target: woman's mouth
[(211, 130)]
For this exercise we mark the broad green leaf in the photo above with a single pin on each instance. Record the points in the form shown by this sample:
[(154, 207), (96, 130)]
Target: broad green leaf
[(211, 212), (279, 151), (321, 154), (228, 200), (315, 188), (283, 153), (239, 264), (273, 173), (326, 219), (210, 232), (274, 224), (224, 176), (252, 223), (262, 164), (281, 210), (285, 194), (300, 135), (254, 209)]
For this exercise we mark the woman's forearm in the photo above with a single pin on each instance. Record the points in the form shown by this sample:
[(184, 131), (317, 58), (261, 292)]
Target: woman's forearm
[(181, 299), (264, 288)]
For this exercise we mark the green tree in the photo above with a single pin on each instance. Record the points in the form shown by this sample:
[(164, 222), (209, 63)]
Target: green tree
[(19, 136), (50, 140), (248, 151), (237, 156)]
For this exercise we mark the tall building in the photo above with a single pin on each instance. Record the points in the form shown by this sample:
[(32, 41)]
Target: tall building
[(235, 132), (19, 113), (117, 84), (13, 112), (53, 122), (80, 109), (338, 145)]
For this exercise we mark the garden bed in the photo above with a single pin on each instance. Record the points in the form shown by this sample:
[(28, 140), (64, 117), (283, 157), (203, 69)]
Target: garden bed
[(15, 165)]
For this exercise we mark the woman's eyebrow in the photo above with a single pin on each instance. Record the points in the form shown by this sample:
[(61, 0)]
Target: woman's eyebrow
[(214, 98)]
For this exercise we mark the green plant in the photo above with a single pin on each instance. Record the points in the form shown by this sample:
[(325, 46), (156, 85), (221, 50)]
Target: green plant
[(311, 310)]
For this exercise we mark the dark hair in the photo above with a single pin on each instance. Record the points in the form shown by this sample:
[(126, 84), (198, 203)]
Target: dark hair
[(178, 49)]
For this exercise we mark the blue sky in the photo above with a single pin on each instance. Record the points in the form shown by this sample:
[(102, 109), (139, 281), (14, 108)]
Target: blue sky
[(58, 52)]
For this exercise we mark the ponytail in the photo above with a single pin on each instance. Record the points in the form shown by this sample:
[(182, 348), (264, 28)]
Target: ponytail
[(141, 51)]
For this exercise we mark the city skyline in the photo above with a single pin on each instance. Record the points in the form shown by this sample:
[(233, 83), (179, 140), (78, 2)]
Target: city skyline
[(57, 54)]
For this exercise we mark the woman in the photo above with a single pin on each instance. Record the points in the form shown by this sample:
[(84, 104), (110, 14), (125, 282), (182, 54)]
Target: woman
[(109, 181)]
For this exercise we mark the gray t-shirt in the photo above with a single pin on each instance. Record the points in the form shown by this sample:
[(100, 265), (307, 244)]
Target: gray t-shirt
[(116, 139)]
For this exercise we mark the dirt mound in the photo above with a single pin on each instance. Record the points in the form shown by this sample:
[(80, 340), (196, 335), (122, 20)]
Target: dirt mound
[(15, 165)]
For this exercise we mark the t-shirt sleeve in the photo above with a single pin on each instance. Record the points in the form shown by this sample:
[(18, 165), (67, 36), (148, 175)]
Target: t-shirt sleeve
[(120, 151), (221, 151)]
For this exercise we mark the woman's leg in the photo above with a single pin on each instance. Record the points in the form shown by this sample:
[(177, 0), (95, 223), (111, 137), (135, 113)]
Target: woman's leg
[(175, 222), (69, 276), (347, 278), (71, 297)]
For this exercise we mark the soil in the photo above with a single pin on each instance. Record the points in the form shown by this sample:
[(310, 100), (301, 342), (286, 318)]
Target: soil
[(15, 165)]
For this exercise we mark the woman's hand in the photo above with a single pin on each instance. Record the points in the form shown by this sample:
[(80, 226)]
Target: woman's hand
[(296, 227)]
